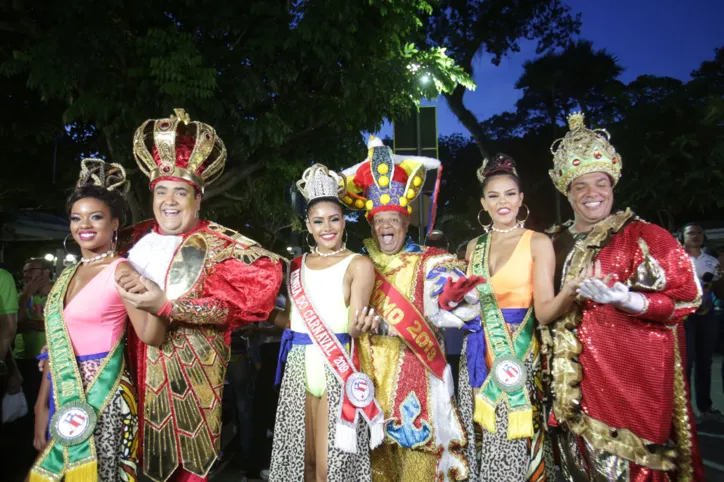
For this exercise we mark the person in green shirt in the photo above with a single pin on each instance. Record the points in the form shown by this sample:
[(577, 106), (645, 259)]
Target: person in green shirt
[(10, 379), (30, 338)]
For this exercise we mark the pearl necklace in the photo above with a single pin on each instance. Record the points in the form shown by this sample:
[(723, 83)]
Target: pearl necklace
[(503, 231), (96, 258), (325, 255)]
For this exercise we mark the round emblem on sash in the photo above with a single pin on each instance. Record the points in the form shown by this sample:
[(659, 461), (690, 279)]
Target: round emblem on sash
[(509, 374), (73, 423), (360, 390)]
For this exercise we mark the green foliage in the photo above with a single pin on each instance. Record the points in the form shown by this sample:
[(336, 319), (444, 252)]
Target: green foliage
[(284, 83)]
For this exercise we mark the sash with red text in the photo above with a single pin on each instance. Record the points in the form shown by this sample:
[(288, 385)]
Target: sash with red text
[(409, 323), (358, 389)]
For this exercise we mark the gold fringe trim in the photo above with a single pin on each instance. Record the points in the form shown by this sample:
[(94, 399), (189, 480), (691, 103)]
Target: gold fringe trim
[(83, 473), (520, 424), (682, 423), (37, 477), (484, 414)]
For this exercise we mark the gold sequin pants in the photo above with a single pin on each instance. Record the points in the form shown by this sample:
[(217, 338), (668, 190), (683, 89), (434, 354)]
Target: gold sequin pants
[(392, 463)]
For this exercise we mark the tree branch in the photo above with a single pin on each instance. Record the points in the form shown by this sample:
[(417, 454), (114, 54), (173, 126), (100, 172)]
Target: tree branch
[(231, 179), (467, 118)]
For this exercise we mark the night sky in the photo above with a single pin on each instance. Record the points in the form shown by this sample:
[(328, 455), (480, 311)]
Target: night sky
[(658, 37)]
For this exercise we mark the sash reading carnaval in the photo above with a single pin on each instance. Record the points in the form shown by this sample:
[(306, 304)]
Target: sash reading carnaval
[(73, 458), (335, 355), (409, 323), (515, 349)]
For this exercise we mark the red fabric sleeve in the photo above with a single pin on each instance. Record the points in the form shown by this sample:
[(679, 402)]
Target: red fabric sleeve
[(681, 294), (234, 294)]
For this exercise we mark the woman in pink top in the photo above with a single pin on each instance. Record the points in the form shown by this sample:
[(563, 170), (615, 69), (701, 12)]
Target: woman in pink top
[(87, 394)]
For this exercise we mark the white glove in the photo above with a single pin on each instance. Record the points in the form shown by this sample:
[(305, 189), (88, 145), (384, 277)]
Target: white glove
[(617, 295)]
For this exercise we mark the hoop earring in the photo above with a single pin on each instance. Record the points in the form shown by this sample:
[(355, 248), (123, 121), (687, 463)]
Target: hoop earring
[(114, 244), (346, 237), (65, 241), (311, 246), (521, 223), (485, 227)]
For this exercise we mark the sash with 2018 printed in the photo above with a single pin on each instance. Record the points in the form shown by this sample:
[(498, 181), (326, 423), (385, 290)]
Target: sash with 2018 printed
[(358, 389)]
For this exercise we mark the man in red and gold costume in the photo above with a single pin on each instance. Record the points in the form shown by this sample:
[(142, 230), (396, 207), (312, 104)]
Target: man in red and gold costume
[(211, 279), (620, 397), (413, 383)]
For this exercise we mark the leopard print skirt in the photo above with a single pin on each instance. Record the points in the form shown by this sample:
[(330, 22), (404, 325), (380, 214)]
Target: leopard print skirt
[(116, 431), (287, 463), (494, 458)]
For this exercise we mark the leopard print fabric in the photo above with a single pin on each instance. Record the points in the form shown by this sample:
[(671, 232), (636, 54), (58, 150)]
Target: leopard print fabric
[(116, 433), (288, 447), (494, 458)]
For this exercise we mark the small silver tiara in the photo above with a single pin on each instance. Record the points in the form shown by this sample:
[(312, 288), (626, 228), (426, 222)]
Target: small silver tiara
[(318, 181)]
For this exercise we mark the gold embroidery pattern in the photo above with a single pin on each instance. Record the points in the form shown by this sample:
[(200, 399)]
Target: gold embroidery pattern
[(650, 276), (568, 373), (244, 249), (195, 312), (184, 382)]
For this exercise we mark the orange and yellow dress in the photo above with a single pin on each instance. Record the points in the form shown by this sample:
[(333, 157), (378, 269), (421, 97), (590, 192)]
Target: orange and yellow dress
[(505, 421)]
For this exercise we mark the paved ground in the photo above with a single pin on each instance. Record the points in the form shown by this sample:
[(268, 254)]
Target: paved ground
[(711, 436)]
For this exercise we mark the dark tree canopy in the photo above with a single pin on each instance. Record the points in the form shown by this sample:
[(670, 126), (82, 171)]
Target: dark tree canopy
[(284, 83)]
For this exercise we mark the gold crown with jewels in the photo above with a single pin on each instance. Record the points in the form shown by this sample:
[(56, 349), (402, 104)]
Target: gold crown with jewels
[(583, 151), (179, 148)]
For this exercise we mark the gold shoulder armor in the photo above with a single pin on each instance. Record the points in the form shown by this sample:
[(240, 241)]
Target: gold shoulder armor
[(244, 249)]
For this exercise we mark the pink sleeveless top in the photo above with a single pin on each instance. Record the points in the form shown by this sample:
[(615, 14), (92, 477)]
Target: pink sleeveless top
[(96, 317)]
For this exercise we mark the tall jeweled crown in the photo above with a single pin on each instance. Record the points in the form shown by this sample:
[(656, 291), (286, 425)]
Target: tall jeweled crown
[(320, 182), (385, 181), (178, 148), (583, 151), (97, 172)]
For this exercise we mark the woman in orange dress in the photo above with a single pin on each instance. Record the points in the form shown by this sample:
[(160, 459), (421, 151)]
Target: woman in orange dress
[(500, 373)]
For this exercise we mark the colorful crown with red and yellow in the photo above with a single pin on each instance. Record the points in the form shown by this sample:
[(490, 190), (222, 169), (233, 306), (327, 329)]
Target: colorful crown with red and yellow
[(179, 149), (385, 181), (583, 151)]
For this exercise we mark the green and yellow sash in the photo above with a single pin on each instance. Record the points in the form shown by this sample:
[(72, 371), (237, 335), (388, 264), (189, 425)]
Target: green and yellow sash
[(71, 451), (507, 376)]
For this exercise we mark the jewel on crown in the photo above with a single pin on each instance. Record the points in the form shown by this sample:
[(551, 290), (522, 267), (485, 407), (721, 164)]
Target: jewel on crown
[(320, 182), (582, 151)]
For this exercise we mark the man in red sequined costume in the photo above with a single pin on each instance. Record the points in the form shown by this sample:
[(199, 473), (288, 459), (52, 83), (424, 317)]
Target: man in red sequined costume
[(620, 397), (211, 279)]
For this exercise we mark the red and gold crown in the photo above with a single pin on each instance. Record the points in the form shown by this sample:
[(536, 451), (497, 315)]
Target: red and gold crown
[(385, 181), (179, 149), (583, 151)]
